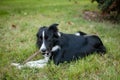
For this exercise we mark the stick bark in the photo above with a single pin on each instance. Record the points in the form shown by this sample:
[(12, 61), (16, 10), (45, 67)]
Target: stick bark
[(31, 57)]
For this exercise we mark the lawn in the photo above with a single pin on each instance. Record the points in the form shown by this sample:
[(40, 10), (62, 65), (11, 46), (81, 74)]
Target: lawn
[(19, 22)]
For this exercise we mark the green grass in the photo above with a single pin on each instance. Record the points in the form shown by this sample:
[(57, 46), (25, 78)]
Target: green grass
[(16, 44)]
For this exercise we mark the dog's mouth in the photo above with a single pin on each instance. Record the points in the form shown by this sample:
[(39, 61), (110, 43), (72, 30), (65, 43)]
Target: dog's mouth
[(46, 53)]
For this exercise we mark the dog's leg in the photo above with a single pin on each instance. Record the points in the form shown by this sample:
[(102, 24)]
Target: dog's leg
[(33, 64), (39, 63), (36, 64), (57, 58)]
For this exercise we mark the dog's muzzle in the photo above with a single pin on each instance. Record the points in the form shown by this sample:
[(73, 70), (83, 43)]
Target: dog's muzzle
[(46, 52), (43, 50)]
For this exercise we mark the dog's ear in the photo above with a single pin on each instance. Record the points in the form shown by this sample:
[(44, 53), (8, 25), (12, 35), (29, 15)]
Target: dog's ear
[(53, 27), (41, 28)]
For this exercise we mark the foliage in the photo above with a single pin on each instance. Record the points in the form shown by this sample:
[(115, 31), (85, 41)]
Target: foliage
[(109, 6)]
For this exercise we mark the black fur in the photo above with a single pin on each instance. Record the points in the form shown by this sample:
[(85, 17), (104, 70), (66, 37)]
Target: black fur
[(71, 46)]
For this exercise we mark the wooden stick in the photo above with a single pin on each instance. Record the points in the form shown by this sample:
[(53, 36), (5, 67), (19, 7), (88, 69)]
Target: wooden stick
[(31, 57)]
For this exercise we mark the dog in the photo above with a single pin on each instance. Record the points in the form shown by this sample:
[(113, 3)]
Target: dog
[(61, 47)]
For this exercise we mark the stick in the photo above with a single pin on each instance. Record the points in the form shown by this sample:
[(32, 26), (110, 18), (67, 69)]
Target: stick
[(31, 57)]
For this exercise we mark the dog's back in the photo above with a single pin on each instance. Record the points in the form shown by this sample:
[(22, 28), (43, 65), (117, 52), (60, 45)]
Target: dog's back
[(74, 47)]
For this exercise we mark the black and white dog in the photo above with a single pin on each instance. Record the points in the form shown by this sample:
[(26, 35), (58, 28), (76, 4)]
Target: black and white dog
[(61, 47)]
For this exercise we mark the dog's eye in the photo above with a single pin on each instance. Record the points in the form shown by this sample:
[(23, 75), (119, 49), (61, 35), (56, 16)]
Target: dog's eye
[(40, 37)]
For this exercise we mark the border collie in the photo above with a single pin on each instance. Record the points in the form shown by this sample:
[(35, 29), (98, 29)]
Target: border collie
[(61, 47)]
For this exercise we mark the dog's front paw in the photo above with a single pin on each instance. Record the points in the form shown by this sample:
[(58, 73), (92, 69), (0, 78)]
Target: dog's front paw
[(17, 65), (35, 64), (29, 65)]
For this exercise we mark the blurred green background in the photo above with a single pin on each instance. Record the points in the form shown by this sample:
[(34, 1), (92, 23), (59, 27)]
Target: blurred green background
[(19, 22)]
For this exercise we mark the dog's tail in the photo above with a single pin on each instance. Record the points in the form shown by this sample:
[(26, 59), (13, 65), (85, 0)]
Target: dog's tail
[(80, 33)]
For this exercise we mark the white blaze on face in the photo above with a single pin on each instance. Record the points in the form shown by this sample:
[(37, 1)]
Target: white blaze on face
[(43, 47)]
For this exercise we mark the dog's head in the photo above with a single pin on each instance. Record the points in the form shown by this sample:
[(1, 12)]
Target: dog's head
[(47, 38)]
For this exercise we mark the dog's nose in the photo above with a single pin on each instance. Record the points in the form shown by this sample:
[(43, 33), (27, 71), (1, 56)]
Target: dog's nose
[(43, 50)]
